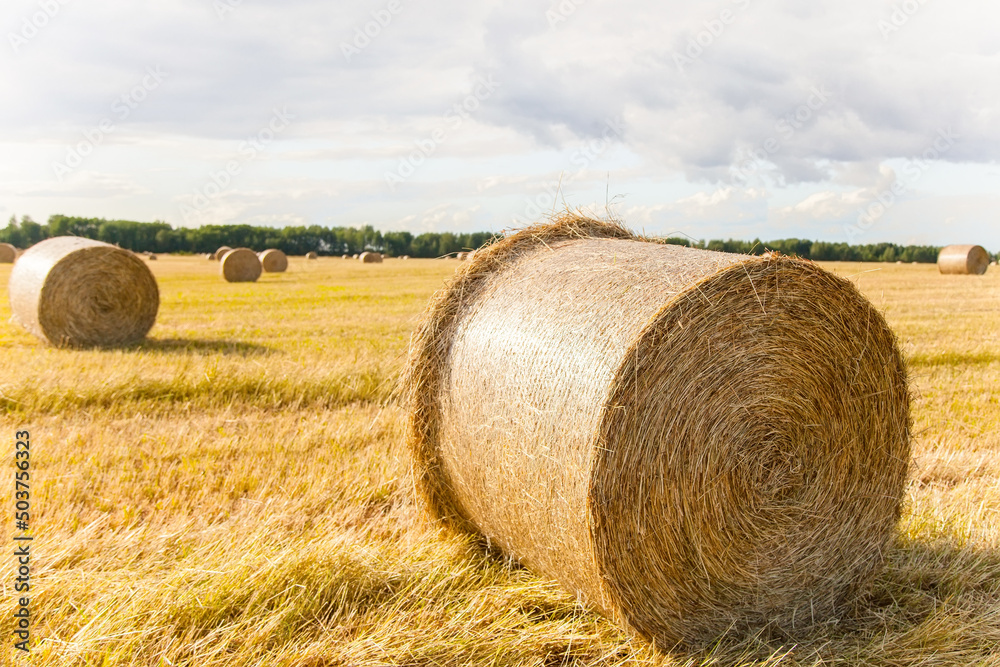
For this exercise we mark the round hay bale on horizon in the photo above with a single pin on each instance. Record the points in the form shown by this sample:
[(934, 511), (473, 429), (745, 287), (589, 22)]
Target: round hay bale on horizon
[(77, 292), (963, 259), (221, 252), (345, 257), (150, 256), (370, 258), (8, 253), (240, 266), (462, 256), (687, 440), (273, 260), (404, 257), (312, 255), (355, 256)]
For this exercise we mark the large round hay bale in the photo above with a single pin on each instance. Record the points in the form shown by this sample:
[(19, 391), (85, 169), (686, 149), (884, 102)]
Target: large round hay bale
[(77, 292), (963, 259), (370, 258), (221, 252), (240, 266), (8, 253), (312, 255), (273, 261), (690, 441)]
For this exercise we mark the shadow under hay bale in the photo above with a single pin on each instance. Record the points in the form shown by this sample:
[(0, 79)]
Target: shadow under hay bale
[(273, 261), (240, 266), (692, 442), (8, 253), (963, 259), (370, 258), (77, 292)]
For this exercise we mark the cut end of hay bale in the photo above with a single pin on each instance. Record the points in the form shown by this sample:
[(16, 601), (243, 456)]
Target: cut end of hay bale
[(273, 261), (240, 266), (370, 258), (8, 253), (690, 441), (963, 260), (77, 292)]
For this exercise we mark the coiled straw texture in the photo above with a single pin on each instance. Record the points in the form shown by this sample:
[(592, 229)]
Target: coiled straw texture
[(692, 442), (963, 259), (8, 253), (240, 266), (273, 261), (77, 292)]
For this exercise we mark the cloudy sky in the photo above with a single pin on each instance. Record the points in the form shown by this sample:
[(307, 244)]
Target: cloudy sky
[(846, 120)]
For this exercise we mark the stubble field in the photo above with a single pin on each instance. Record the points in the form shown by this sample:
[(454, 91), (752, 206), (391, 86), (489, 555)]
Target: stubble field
[(234, 491)]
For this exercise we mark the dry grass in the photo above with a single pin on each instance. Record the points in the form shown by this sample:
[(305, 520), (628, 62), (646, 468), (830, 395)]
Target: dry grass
[(267, 519)]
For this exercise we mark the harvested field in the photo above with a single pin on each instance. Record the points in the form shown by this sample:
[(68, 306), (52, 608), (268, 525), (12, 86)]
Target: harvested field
[(235, 491)]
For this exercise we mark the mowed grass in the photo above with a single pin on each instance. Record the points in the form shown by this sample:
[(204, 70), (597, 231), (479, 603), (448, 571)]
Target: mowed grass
[(234, 491)]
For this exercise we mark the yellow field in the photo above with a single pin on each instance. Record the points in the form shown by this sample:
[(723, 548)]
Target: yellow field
[(234, 491)]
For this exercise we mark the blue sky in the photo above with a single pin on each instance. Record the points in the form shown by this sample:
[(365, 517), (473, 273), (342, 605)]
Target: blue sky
[(845, 121)]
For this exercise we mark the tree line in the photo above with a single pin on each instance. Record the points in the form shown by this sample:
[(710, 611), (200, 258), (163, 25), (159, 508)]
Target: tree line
[(160, 237)]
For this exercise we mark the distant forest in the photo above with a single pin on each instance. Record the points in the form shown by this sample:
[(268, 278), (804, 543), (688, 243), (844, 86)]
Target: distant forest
[(160, 237)]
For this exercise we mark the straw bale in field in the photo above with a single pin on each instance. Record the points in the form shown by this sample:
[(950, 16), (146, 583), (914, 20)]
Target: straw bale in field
[(221, 252), (963, 259), (8, 253), (355, 256), (370, 258), (462, 256), (689, 441), (404, 257), (76, 292), (240, 266), (312, 255), (346, 257), (210, 256), (273, 261), (150, 256)]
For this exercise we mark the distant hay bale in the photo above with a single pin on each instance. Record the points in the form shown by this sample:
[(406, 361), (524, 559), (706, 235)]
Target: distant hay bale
[(273, 261), (312, 255), (8, 253), (963, 259), (77, 292), (240, 266), (405, 257), (685, 439), (346, 257), (355, 256), (150, 256), (370, 258), (210, 256), (462, 256), (221, 252)]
